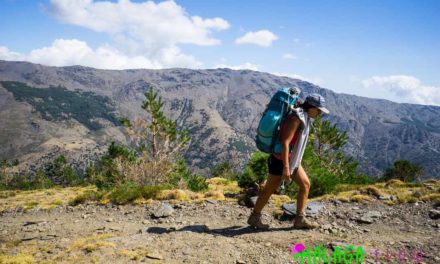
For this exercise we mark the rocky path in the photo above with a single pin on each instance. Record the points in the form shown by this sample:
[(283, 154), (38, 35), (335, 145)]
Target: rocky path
[(214, 232)]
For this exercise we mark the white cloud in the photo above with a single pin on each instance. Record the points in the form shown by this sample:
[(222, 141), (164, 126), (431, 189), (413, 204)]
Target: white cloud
[(6, 54), (244, 66), (164, 23), (64, 52), (144, 34), (289, 56), (314, 80), (408, 88), (262, 38)]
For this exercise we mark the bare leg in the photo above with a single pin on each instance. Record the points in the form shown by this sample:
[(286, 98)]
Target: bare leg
[(304, 186), (272, 184), (303, 182)]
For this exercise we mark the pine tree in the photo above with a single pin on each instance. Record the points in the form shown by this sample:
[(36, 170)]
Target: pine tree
[(158, 140), (328, 142)]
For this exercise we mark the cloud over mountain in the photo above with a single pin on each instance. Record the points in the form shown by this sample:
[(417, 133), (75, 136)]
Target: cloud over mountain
[(406, 87)]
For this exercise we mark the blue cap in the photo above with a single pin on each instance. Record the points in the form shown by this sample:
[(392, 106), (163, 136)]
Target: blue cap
[(317, 101)]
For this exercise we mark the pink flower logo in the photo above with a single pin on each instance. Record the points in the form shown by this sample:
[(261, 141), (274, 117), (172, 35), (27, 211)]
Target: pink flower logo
[(297, 248)]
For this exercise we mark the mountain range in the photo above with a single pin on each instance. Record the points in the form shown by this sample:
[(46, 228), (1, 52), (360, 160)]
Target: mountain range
[(47, 111)]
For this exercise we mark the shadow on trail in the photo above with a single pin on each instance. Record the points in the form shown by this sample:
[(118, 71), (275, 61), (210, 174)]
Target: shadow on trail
[(227, 231)]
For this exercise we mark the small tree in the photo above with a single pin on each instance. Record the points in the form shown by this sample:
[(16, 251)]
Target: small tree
[(158, 140), (60, 172), (404, 171), (224, 169), (328, 142)]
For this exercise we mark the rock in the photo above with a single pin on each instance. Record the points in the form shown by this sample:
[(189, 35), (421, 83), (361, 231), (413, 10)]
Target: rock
[(384, 197), (27, 223), (145, 222), (230, 194), (312, 209), (110, 220), (417, 194), (434, 214), (211, 201), (333, 230), (369, 217), (164, 210), (365, 220), (251, 201), (154, 255), (373, 214), (240, 261)]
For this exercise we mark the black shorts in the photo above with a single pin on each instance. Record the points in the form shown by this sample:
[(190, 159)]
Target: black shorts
[(275, 165)]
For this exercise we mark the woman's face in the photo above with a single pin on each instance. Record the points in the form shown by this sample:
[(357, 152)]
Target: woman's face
[(313, 112)]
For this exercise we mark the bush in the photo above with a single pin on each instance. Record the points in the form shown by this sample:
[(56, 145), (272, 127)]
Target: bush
[(223, 170), (88, 195), (60, 172), (125, 193), (41, 181), (181, 174), (197, 183), (256, 171), (403, 170), (106, 174), (131, 191)]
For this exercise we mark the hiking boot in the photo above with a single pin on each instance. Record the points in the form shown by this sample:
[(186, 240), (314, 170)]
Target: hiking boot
[(302, 223), (255, 221)]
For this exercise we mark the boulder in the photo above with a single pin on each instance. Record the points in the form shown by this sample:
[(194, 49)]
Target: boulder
[(434, 214), (312, 208), (164, 210)]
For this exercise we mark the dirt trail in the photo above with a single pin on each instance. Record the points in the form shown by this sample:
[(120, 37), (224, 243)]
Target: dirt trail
[(212, 232)]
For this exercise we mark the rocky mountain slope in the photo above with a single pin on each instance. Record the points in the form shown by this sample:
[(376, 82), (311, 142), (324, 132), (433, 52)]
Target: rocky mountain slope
[(220, 107)]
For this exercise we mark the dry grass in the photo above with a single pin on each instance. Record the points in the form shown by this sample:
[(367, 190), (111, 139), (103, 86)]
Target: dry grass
[(179, 195), (360, 198), (134, 254), (20, 258), (223, 185), (372, 190), (44, 198), (401, 191), (217, 195), (278, 200), (92, 243)]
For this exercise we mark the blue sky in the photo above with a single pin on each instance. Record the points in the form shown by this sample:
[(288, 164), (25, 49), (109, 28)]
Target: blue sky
[(379, 49)]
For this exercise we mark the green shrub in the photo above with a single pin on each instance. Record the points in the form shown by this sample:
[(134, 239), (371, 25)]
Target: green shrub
[(89, 195), (150, 192), (197, 183), (256, 171), (223, 170), (125, 193), (193, 182), (131, 191), (403, 170), (41, 181)]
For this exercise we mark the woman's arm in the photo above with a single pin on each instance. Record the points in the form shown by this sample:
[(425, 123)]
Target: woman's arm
[(292, 124)]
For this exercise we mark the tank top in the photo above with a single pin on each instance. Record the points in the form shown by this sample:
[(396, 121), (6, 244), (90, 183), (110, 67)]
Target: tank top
[(292, 142)]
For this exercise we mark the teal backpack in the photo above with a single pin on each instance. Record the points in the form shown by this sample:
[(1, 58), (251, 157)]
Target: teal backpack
[(270, 123)]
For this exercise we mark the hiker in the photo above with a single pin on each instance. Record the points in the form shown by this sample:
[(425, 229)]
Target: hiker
[(294, 128)]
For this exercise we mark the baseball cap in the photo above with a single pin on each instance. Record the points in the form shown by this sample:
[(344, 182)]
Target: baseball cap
[(317, 101)]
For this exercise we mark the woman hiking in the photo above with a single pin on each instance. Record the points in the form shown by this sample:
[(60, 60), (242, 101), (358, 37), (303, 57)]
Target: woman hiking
[(295, 128)]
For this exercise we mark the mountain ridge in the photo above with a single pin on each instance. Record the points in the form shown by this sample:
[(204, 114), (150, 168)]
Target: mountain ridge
[(224, 123)]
